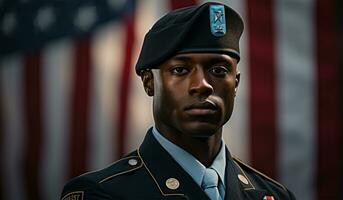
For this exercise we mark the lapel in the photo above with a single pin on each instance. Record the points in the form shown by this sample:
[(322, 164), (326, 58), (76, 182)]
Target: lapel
[(162, 168), (165, 171), (238, 184)]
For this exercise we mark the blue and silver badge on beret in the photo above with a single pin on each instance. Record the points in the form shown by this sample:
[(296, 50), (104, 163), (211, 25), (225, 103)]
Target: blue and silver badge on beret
[(217, 20)]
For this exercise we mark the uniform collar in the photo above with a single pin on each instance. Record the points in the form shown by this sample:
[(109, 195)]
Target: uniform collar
[(189, 163), (161, 166), (240, 185)]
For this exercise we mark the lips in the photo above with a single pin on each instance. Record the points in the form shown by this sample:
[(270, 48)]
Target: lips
[(201, 108)]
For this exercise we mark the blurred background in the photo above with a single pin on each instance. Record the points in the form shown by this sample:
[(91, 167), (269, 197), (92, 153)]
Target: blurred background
[(71, 102)]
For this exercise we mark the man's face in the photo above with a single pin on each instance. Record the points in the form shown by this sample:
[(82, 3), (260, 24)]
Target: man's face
[(194, 93)]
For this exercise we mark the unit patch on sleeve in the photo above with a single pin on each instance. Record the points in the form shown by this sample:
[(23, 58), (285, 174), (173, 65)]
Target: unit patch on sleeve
[(77, 195)]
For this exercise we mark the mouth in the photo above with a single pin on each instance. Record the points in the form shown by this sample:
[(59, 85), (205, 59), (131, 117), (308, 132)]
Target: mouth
[(201, 108)]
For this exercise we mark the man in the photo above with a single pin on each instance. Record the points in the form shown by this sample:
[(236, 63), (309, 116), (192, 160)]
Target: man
[(188, 64)]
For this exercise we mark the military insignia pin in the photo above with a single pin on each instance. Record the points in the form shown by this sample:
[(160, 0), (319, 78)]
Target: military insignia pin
[(217, 20), (268, 198)]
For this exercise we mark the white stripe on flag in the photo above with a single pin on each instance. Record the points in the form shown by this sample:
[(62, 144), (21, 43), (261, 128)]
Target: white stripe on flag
[(57, 68), (107, 59), (140, 116), (140, 107), (11, 89), (147, 13), (296, 95)]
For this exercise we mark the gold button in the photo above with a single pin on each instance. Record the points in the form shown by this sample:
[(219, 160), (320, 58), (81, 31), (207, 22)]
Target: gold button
[(243, 179), (132, 162), (172, 183)]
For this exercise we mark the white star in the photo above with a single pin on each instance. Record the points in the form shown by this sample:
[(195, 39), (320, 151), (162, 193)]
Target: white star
[(9, 23), (116, 4), (45, 18), (85, 17)]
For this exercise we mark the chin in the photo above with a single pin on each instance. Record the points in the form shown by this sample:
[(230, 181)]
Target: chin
[(201, 129)]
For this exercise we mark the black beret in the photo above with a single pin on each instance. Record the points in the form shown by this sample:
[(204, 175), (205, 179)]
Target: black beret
[(210, 27)]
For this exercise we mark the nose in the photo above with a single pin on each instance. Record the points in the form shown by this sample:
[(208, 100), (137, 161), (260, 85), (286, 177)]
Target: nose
[(199, 85)]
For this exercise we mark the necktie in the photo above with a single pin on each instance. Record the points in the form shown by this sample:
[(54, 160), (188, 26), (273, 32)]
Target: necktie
[(210, 184)]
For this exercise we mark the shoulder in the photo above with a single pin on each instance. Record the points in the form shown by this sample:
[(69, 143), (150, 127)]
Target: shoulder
[(90, 184), (262, 181), (251, 171)]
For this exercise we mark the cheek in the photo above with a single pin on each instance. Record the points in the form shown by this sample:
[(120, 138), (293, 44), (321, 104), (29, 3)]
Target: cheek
[(174, 91), (172, 99), (168, 101), (228, 96)]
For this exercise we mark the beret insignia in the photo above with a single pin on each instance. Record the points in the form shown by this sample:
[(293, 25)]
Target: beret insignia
[(217, 20)]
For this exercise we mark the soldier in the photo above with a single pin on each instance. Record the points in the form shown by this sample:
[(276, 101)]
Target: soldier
[(188, 65)]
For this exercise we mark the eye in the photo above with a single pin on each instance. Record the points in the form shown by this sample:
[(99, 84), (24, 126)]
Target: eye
[(179, 70), (219, 70)]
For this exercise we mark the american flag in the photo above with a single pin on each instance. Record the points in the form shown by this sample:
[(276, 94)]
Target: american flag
[(71, 102)]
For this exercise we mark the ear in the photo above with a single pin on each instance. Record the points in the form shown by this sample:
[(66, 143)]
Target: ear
[(238, 78), (148, 82)]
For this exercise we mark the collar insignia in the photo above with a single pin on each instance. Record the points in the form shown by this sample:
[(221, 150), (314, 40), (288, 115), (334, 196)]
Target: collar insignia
[(268, 198), (217, 20)]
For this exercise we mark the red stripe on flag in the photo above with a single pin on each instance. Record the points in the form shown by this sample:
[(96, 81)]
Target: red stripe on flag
[(328, 101), (262, 85), (175, 4), (33, 124), (80, 107), (124, 86)]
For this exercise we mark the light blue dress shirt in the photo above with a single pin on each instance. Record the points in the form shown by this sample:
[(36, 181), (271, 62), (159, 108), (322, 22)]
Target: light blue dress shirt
[(191, 165)]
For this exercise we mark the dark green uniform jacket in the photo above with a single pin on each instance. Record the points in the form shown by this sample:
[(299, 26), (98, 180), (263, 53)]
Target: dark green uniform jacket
[(151, 173)]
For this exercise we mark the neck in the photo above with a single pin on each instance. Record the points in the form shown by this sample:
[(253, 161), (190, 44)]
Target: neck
[(204, 149)]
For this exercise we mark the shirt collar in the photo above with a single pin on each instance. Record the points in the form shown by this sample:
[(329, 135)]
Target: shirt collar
[(189, 163), (219, 163)]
